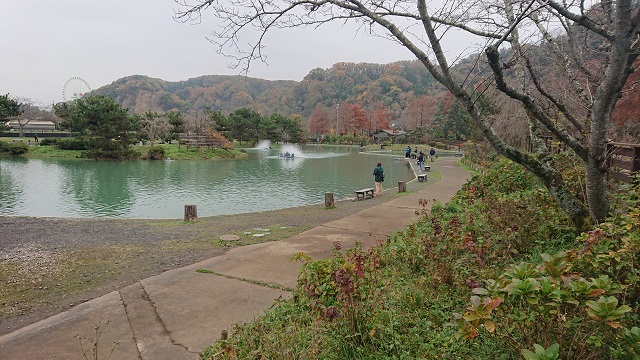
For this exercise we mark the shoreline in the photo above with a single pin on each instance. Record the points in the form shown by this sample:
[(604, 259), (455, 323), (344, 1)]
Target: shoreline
[(50, 264)]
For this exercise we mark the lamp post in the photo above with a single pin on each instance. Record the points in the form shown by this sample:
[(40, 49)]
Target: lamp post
[(393, 132)]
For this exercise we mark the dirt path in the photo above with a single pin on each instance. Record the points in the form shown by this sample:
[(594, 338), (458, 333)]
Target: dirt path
[(50, 264)]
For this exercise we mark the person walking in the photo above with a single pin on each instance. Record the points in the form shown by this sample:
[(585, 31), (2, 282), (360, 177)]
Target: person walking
[(378, 173), (432, 153), (420, 160)]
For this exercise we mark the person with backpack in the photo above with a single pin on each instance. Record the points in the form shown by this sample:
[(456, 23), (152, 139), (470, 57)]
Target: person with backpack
[(378, 173)]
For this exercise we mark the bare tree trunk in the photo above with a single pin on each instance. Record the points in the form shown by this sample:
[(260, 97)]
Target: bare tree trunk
[(597, 189)]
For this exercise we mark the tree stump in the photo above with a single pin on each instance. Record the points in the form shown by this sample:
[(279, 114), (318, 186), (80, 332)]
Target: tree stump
[(328, 201), (402, 187), (190, 213)]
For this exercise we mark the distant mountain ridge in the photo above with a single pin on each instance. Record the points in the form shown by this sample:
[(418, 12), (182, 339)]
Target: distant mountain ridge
[(392, 84)]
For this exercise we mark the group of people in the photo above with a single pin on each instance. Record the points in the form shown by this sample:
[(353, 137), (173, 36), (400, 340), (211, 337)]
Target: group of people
[(378, 171), (420, 157)]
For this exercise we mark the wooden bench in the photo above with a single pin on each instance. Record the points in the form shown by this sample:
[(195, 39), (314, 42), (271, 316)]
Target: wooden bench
[(422, 177), (364, 194)]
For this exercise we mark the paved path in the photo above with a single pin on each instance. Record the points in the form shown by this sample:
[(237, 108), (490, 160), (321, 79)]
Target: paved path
[(176, 314)]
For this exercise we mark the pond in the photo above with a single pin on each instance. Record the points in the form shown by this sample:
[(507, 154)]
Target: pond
[(160, 189)]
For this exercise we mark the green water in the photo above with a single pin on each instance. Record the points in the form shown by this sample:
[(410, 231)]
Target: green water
[(160, 189)]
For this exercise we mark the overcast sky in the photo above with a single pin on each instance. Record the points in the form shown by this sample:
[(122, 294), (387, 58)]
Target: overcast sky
[(45, 43)]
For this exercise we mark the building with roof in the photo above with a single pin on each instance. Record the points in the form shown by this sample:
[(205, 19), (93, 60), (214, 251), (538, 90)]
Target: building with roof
[(32, 125)]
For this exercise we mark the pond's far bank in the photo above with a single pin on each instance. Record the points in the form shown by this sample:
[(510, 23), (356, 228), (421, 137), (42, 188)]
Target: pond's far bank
[(171, 151)]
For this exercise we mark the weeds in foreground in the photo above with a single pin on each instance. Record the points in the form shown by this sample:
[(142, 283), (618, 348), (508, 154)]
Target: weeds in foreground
[(91, 352)]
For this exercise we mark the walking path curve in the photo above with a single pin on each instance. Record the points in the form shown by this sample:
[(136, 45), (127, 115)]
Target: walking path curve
[(176, 314)]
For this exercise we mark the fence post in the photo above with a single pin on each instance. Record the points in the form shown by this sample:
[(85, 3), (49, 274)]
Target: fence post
[(328, 200), (402, 187), (190, 213)]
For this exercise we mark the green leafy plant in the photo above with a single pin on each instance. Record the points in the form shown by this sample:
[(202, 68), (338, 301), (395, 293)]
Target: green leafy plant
[(606, 309), (550, 353)]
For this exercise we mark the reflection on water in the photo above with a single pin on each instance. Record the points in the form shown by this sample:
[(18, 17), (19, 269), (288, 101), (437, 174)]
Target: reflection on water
[(105, 189), (10, 188), (160, 189)]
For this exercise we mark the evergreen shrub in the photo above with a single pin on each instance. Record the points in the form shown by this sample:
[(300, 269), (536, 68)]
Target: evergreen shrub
[(72, 144), (18, 148), (48, 141), (155, 153)]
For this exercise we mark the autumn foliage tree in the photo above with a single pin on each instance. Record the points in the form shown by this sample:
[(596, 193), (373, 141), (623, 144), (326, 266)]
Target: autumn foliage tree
[(421, 110), (626, 115), (318, 122), (218, 140), (359, 118), (380, 117)]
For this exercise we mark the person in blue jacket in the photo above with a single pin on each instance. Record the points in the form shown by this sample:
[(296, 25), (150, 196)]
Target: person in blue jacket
[(407, 151), (378, 174)]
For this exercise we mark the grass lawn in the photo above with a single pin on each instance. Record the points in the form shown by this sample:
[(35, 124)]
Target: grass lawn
[(172, 151)]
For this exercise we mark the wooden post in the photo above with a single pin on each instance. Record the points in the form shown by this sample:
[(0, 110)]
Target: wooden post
[(328, 201), (402, 187), (224, 335), (190, 213)]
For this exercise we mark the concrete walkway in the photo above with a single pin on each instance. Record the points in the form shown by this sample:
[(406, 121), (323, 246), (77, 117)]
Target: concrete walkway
[(176, 314)]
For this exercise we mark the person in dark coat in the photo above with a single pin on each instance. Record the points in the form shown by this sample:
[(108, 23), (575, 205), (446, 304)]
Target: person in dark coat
[(378, 174), (420, 160), (407, 151)]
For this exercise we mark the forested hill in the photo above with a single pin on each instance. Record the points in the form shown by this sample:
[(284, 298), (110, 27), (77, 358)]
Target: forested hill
[(394, 84)]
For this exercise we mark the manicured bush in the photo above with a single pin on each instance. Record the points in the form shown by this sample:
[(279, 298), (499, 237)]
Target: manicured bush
[(48, 141), (73, 144), (18, 148), (116, 153), (155, 153)]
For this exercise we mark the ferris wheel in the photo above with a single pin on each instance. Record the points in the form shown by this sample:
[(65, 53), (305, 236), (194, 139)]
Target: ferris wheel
[(75, 88)]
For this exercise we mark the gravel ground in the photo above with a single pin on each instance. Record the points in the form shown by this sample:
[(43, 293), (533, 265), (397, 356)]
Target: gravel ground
[(50, 264)]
